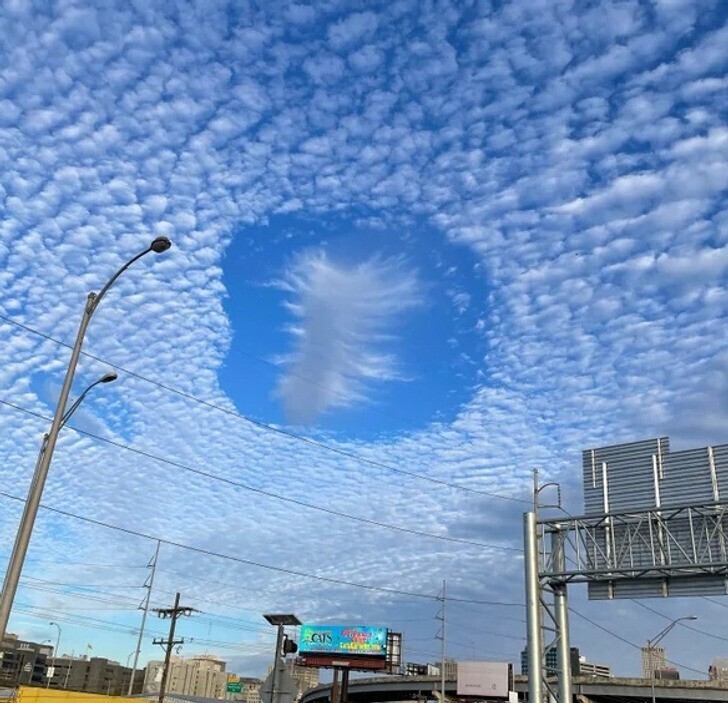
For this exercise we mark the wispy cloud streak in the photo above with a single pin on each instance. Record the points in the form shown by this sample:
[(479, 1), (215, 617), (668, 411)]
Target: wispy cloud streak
[(344, 329)]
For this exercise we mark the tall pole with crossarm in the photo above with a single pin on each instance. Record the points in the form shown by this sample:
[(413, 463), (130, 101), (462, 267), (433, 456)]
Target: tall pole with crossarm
[(25, 530)]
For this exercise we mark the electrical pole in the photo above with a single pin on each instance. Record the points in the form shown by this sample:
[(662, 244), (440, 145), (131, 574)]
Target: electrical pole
[(148, 585), (172, 613), (441, 636)]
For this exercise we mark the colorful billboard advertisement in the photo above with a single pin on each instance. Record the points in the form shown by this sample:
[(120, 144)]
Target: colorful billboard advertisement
[(343, 640)]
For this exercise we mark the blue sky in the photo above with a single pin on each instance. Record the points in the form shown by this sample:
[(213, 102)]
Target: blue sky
[(450, 239)]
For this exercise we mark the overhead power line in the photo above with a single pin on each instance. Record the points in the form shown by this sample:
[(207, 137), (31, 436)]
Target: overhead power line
[(260, 565), (681, 623), (626, 641), (110, 626), (260, 491), (271, 428)]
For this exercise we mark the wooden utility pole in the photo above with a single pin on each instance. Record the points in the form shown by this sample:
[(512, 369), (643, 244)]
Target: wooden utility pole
[(172, 613)]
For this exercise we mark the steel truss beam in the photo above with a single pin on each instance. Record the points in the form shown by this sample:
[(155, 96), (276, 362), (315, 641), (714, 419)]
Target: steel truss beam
[(639, 544)]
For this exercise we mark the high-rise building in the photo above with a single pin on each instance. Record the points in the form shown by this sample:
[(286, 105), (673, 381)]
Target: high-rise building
[(653, 658), (203, 676), (718, 670)]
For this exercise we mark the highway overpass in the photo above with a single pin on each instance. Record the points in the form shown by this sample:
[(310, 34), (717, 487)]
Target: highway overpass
[(586, 690)]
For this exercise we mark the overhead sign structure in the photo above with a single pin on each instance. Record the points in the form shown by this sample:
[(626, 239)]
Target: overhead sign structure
[(484, 679), (343, 640), (656, 521)]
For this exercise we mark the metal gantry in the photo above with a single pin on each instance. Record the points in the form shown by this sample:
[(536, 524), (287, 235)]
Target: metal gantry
[(641, 548), (630, 554)]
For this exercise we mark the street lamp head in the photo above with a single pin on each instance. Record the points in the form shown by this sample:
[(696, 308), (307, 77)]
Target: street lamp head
[(108, 377), (160, 245), (691, 617)]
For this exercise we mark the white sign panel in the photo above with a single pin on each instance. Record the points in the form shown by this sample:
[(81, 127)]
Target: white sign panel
[(483, 679)]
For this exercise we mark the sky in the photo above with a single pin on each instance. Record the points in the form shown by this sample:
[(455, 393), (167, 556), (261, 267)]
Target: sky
[(419, 249)]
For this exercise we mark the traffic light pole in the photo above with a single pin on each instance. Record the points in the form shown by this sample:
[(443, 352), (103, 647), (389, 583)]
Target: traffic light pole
[(276, 659)]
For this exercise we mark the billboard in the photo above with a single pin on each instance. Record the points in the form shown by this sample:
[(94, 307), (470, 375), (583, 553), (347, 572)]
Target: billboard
[(484, 679), (661, 514), (343, 640)]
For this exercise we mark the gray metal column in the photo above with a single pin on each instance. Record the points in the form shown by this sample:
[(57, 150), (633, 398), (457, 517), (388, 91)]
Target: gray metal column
[(533, 608), (561, 612), (275, 692)]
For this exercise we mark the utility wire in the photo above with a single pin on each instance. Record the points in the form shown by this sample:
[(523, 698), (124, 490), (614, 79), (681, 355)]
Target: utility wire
[(681, 623), (714, 602), (110, 626), (267, 427), (260, 491), (626, 641), (260, 565), (131, 604)]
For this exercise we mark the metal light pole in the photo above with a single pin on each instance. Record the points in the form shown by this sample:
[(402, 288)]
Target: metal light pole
[(68, 670), (654, 642), (533, 606), (55, 653), (12, 576), (280, 621)]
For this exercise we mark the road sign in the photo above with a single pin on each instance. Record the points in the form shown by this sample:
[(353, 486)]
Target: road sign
[(234, 687), (286, 689)]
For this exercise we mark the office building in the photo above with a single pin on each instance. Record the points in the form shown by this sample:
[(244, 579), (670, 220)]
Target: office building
[(551, 662), (202, 676), (587, 668), (305, 677), (94, 675), (414, 669), (451, 669), (653, 658), (23, 662), (718, 670), (667, 673)]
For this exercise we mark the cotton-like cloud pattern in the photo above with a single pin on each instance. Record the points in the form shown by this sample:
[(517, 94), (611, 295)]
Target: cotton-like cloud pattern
[(580, 151)]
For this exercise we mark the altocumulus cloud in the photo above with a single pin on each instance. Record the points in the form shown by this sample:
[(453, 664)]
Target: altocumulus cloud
[(343, 330)]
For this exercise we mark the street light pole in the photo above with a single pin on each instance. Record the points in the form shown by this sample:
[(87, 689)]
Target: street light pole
[(17, 559), (55, 653), (279, 620), (651, 644)]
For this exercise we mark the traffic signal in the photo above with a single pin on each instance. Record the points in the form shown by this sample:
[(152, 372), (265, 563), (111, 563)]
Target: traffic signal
[(289, 646)]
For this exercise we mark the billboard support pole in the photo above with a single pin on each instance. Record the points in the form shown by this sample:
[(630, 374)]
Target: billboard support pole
[(344, 693), (561, 612), (533, 615), (335, 686)]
